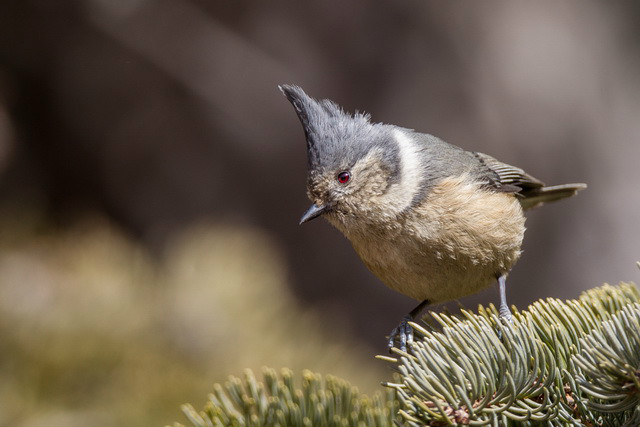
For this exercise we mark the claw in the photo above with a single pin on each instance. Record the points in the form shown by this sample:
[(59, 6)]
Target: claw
[(504, 311), (506, 315), (403, 333)]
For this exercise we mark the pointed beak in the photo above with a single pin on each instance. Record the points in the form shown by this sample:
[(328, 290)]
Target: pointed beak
[(313, 212)]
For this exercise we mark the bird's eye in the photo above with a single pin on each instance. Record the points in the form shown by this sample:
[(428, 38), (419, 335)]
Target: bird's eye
[(344, 177)]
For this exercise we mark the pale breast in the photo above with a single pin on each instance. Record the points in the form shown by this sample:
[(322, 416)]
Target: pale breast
[(452, 244)]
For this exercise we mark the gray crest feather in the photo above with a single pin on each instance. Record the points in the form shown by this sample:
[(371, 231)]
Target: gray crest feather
[(332, 134)]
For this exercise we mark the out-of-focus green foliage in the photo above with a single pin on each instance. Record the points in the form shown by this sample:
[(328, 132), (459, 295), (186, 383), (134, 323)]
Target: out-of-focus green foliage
[(557, 364), (94, 330), (278, 402)]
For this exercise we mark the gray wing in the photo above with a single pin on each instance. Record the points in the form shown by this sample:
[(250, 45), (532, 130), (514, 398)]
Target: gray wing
[(507, 178), (531, 191)]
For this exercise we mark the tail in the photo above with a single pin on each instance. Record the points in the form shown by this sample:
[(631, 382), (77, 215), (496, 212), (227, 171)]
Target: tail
[(535, 197)]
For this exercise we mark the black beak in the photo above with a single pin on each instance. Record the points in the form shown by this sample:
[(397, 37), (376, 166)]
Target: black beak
[(313, 212)]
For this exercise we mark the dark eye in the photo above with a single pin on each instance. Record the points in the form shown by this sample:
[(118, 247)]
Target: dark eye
[(344, 177)]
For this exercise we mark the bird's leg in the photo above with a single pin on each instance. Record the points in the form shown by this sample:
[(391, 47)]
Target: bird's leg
[(504, 307), (403, 331)]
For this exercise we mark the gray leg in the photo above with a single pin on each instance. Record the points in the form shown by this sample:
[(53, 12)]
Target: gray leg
[(504, 307)]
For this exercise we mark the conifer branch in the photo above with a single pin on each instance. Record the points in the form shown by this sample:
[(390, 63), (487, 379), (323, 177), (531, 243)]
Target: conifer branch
[(277, 401), (573, 363)]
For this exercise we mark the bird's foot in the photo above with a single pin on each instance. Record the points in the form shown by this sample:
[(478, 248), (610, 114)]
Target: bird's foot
[(505, 313), (403, 333)]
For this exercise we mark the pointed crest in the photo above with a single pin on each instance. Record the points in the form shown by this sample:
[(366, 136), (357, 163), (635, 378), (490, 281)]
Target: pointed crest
[(333, 136), (311, 114)]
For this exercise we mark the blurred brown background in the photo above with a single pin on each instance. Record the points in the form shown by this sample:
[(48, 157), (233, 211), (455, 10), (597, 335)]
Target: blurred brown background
[(152, 177)]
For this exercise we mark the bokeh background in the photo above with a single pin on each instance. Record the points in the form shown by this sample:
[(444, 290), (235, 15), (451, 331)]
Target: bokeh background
[(152, 177)]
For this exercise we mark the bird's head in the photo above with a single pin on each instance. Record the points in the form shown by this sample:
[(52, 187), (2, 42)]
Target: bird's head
[(353, 163)]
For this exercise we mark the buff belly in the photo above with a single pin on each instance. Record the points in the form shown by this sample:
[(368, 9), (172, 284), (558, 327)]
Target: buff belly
[(453, 244)]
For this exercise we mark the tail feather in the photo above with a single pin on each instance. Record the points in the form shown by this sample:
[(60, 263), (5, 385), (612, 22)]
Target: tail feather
[(538, 196)]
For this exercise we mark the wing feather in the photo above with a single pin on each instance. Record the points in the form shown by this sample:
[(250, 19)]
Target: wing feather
[(531, 191), (508, 178)]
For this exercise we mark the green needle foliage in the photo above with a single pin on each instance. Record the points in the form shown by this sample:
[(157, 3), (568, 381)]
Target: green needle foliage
[(557, 364), (278, 402), (573, 363)]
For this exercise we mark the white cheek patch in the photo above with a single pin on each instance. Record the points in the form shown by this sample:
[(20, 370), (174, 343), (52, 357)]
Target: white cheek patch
[(401, 194)]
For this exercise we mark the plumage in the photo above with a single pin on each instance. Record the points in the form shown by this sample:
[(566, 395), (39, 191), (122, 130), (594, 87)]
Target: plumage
[(531, 191), (431, 220)]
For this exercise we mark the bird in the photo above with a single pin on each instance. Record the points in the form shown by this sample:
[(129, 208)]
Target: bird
[(431, 220)]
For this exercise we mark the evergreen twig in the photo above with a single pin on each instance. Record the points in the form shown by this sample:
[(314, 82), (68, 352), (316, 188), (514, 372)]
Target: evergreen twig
[(277, 401), (573, 363)]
